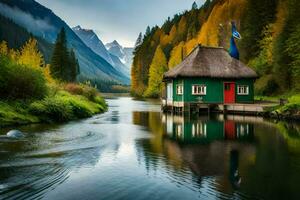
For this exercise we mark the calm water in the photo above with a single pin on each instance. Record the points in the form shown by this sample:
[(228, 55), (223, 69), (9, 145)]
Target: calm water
[(135, 152)]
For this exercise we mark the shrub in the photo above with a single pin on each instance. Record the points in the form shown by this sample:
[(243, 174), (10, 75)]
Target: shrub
[(20, 81), (64, 106), (86, 90), (53, 109)]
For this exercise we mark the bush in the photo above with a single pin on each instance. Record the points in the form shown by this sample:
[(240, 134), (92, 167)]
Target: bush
[(86, 90), (20, 82), (53, 109), (64, 106)]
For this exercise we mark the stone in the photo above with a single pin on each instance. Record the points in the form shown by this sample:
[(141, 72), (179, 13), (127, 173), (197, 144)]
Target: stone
[(15, 134)]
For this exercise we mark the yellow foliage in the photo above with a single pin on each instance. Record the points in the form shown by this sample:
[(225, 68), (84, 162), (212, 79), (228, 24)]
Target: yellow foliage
[(156, 71), (221, 14), (157, 35), (182, 26), (14, 54), (190, 45), (47, 74), (3, 48), (280, 18), (177, 54), (30, 55), (172, 33), (164, 39)]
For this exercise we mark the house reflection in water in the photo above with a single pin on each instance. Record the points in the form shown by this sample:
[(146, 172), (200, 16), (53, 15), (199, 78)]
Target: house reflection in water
[(212, 145), (217, 147), (205, 129)]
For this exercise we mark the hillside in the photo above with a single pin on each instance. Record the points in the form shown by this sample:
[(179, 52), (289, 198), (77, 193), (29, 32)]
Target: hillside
[(16, 36), (270, 41), (42, 22)]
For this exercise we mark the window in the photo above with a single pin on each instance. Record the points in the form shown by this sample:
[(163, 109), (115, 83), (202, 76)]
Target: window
[(199, 130), (243, 90), (199, 90), (169, 91), (179, 89)]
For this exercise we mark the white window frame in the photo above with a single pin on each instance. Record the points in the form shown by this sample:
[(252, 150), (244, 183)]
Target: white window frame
[(179, 89), (200, 91), (243, 89), (170, 91)]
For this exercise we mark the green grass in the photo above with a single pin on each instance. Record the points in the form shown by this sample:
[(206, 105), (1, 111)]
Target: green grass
[(294, 99), (60, 107), (64, 107), (15, 113), (291, 108), (267, 98)]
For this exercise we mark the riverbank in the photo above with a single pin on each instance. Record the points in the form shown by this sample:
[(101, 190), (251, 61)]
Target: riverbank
[(288, 109), (60, 105), (32, 92)]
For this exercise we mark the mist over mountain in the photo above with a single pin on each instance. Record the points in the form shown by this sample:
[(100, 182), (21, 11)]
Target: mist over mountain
[(42, 22)]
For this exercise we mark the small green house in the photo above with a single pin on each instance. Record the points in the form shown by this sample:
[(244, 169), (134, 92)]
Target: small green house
[(209, 75)]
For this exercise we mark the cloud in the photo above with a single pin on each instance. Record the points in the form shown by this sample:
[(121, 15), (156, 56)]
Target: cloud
[(26, 20)]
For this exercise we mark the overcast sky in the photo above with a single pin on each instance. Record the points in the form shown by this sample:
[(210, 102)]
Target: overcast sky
[(117, 19)]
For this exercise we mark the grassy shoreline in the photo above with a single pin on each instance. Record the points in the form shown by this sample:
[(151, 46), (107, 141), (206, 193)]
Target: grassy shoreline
[(62, 106), (289, 111)]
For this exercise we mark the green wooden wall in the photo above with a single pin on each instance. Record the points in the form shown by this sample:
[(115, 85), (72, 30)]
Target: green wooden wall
[(215, 130), (214, 90), (245, 98)]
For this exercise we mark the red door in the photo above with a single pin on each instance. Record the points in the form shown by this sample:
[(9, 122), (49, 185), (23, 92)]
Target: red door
[(229, 92), (230, 129)]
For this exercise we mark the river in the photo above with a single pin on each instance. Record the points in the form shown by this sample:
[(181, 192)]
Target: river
[(133, 151)]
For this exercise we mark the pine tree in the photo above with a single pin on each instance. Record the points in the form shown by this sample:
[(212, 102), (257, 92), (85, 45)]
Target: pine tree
[(64, 65), (148, 31), (259, 14), (194, 6), (57, 60), (156, 71), (73, 69), (139, 40), (30, 54)]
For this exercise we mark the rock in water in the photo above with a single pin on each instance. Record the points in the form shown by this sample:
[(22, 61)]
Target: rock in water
[(15, 134)]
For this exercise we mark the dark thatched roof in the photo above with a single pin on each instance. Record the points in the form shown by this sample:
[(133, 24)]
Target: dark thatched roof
[(210, 62)]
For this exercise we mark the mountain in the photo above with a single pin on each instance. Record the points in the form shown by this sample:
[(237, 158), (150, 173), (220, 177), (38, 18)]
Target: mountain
[(89, 37), (125, 54), (270, 42), (16, 36), (42, 22)]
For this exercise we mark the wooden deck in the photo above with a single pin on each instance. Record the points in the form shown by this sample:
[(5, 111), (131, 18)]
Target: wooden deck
[(237, 108)]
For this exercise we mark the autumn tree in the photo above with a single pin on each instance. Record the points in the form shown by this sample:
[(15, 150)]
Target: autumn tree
[(176, 55), (30, 54), (3, 48), (182, 27), (156, 71)]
